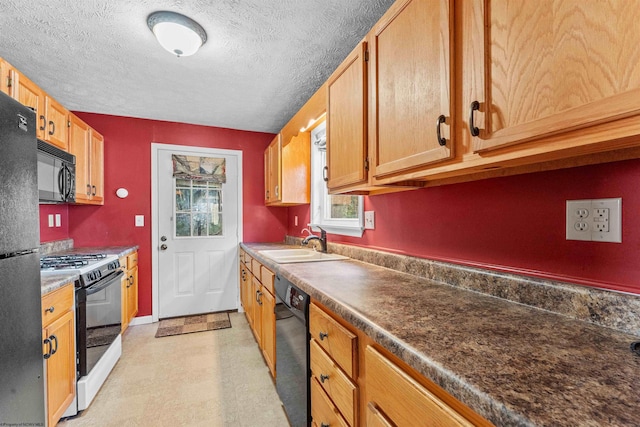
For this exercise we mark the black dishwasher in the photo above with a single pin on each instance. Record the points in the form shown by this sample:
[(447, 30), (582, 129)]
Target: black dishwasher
[(292, 351)]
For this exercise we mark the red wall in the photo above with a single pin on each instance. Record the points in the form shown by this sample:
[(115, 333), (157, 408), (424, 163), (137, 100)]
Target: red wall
[(513, 224), (48, 234), (128, 164)]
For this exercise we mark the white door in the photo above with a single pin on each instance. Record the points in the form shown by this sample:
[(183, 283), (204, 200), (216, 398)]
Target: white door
[(197, 244)]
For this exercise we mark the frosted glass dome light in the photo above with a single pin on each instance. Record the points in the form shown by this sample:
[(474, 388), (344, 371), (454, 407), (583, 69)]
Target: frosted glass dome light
[(177, 33)]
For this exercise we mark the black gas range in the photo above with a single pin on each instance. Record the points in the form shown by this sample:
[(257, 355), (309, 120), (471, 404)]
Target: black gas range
[(91, 267)]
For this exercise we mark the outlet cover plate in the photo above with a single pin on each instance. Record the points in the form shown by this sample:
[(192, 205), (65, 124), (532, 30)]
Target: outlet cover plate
[(589, 219), (369, 220)]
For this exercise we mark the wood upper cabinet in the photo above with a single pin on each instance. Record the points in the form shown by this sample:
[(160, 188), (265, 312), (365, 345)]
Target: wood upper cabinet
[(97, 167), (411, 86), (52, 117), (557, 66), (57, 122), (58, 334), (272, 177), (5, 77), (88, 147), (347, 155), (26, 92)]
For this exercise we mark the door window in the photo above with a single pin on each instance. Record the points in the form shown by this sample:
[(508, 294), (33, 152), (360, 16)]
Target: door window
[(198, 208)]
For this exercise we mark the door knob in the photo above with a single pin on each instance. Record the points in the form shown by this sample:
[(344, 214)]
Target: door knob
[(163, 238), (163, 247)]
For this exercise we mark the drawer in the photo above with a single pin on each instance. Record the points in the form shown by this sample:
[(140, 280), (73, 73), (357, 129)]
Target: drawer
[(255, 269), (132, 260), (268, 278), (403, 400), (335, 339), (342, 391), (56, 303), (323, 412)]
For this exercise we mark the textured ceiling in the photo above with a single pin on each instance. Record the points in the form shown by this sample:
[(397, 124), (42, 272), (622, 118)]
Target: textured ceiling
[(262, 61)]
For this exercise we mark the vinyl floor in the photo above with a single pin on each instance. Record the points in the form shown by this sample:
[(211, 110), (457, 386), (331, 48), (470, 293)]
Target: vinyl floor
[(212, 378)]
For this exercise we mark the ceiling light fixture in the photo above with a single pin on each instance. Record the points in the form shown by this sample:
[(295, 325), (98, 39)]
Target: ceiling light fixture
[(177, 33)]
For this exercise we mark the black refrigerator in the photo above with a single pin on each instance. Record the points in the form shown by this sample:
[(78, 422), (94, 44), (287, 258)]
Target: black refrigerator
[(21, 361)]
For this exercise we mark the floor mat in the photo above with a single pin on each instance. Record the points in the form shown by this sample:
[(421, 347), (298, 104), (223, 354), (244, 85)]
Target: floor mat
[(195, 323)]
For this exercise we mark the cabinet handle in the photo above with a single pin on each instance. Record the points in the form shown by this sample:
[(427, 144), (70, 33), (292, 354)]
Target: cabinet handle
[(324, 425), (325, 174), (323, 335), (475, 106), (55, 338), (88, 190), (44, 123), (258, 298), (52, 127), (266, 195), (50, 309), (93, 193), (48, 353), (324, 378), (440, 121)]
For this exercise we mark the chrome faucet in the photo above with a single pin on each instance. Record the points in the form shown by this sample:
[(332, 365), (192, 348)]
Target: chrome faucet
[(322, 239)]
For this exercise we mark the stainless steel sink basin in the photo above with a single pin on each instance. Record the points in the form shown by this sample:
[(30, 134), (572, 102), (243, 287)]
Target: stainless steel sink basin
[(286, 256)]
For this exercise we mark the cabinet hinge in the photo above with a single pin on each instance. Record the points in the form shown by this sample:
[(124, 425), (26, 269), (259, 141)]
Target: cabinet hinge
[(9, 81), (366, 164), (366, 56)]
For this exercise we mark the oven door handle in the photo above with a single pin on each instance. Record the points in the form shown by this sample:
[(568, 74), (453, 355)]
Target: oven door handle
[(106, 281)]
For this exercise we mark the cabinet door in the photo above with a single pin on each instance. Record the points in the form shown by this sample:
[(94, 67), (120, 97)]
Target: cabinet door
[(30, 94), (269, 329), (411, 78), (5, 77), (257, 310), (97, 168), (267, 175), (555, 66), (347, 121), (61, 367), (79, 146), (275, 170), (132, 294), (57, 121)]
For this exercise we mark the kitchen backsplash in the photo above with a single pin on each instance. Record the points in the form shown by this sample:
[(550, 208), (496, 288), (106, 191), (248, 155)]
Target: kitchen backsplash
[(56, 246), (610, 309)]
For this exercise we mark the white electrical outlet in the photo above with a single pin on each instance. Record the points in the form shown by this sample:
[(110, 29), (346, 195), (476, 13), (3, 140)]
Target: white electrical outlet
[(369, 220), (597, 220), (58, 220), (139, 220), (50, 217)]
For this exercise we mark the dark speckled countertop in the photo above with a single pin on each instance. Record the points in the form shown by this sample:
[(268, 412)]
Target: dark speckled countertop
[(514, 364)]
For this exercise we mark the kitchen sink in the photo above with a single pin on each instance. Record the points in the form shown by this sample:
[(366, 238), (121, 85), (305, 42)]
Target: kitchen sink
[(286, 256)]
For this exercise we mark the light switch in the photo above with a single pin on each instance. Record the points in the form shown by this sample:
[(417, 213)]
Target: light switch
[(139, 220), (58, 220)]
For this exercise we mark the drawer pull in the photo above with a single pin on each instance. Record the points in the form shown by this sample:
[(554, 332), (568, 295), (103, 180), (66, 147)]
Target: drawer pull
[(324, 425), (50, 309), (324, 378), (323, 335)]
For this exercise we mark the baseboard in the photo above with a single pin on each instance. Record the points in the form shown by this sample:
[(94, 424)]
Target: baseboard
[(142, 320)]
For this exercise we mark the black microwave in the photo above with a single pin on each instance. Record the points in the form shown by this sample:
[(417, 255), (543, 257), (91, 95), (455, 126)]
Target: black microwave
[(56, 174)]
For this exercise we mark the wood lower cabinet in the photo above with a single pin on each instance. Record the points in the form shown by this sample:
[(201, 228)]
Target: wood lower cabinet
[(402, 399), (88, 147), (58, 334), (129, 285), (333, 358), (380, 391), (257, 298)]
